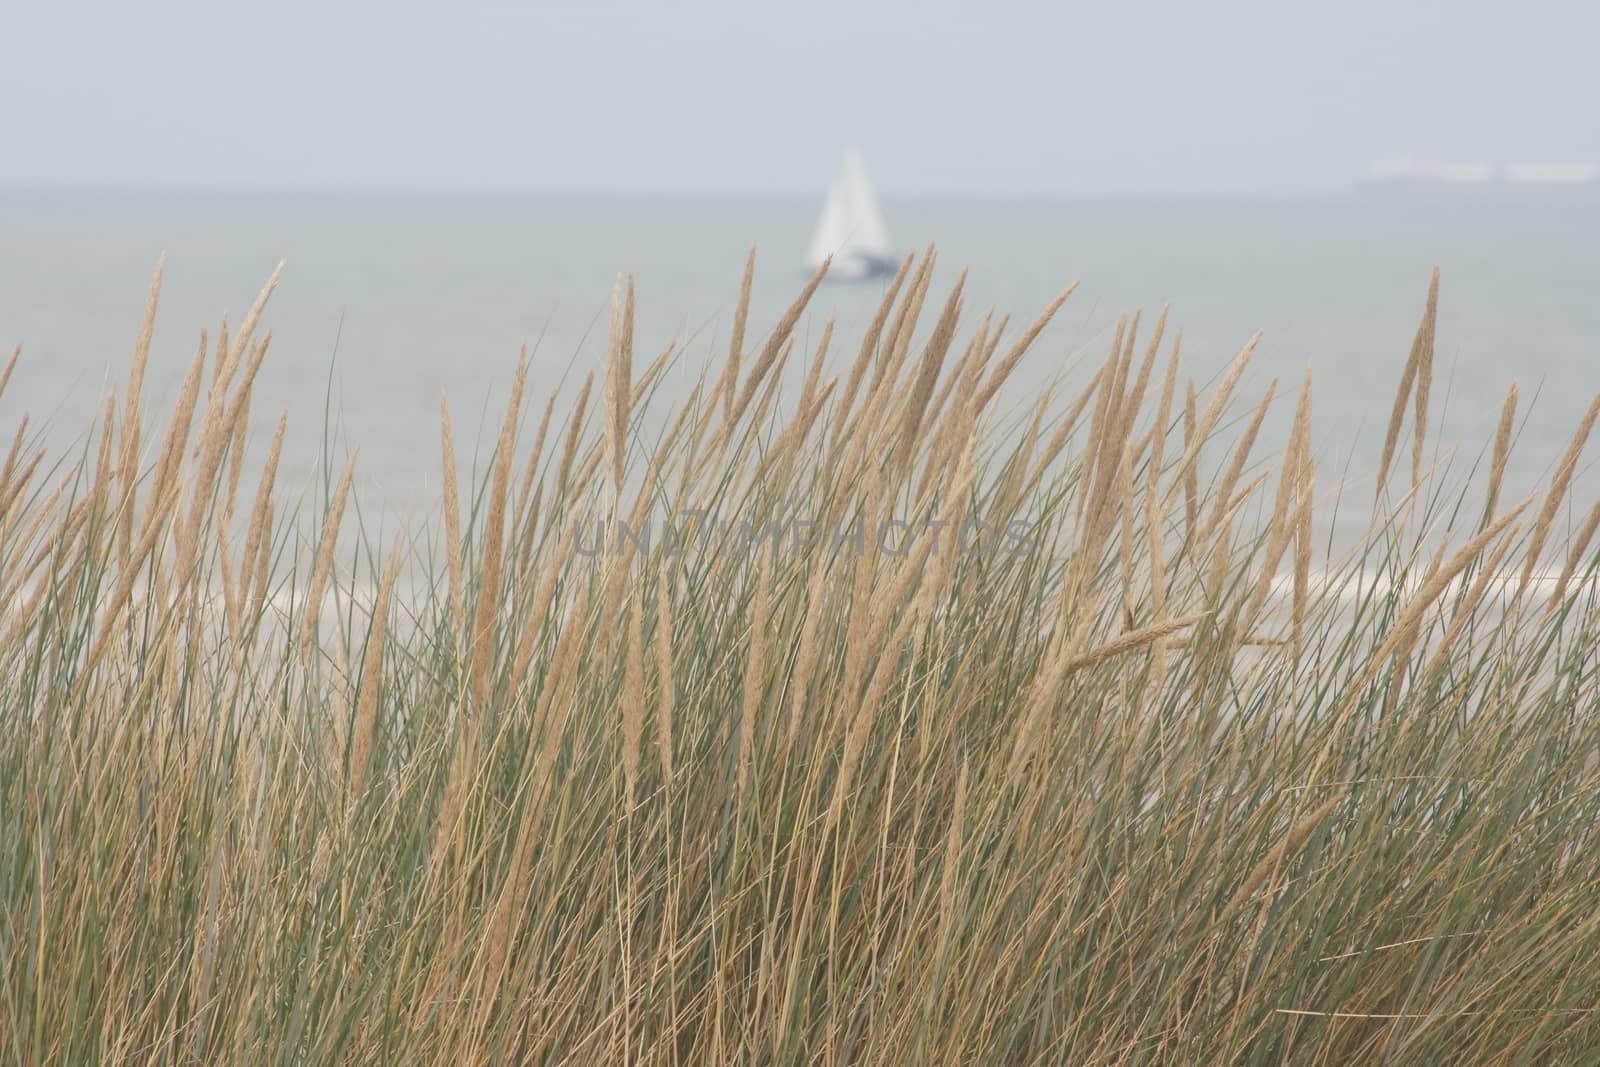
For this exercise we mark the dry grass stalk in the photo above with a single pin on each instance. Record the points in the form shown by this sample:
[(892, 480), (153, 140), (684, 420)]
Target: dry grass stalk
[(1024, 343), (730, 375), (221, 422), (856, 641), (236, 452), (961, 382), (326, 546), (172, 445), (11, 365), (259, 527), (849, 470), (1069, 422), (486, 609), (1575, 555), (219, 362), (46, 511), (775, 343), (1241, 456), (1220, 562), (633, 704), (898, 339), (252, 318), (619, 381), (1558, 492), (1154, 510), (1066, 660), (1131, 641), (16, 484), (774, 382), (862, 719), (665, 681), (1122, 364), (643, 383), (1095, 447), (938, 580), (1303, 545), (995, 337), (1280, 530), (527, 497), (1293, 839), (808, 389), (1424, 348), (132, 415), (500, 932), (615, 572), (1502, 450), (10, 467), (1126, 548), (1466, 610), (452, 516), (258, 593), (869, 346), (795, 437), (367, 689), (806, 650), (1213, 413), (1186, 472), (111, 616), (1397, 417), (1146, 367), (952, 856), (536, 615), (103, 470), (574, 431), (12, 487), (1409, 622), (755, 671), (927, 374)]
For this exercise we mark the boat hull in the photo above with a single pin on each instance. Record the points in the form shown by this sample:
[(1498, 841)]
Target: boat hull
[(860, 268)]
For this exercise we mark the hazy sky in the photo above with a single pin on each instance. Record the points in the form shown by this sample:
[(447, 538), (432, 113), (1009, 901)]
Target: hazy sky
[(1276, 96)]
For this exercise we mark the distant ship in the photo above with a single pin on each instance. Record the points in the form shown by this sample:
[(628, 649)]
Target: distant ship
[(851, 229), (1482, 178)]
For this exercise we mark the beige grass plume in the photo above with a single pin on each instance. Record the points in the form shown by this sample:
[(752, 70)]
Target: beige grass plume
[(1558, 492), (452, 515), (633, 703), (326, 547), (132, 416), (665, 680), (619, 381), (1412, 374), (1502, 451), (486, 609), (869, 347), (1006, 366), (367, 689), (730, 375), (754, 670)]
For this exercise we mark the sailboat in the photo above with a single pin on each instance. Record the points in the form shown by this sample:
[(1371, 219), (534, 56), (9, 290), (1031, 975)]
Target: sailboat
[(851, 229)]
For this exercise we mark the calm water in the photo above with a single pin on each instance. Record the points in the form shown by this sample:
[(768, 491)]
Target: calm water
[(395, 297)]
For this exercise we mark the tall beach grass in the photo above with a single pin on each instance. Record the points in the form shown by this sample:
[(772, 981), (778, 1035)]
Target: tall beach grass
[(721, 731)]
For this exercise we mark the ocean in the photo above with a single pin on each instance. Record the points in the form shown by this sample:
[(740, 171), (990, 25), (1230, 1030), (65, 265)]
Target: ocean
[(389, 299)]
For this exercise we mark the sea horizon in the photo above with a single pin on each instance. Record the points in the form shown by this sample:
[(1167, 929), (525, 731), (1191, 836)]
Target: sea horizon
[(392, 297)]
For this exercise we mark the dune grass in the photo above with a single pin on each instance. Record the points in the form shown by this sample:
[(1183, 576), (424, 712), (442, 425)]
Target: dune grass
[(1156, 780)]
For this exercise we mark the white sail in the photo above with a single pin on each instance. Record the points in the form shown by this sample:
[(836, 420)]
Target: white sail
[(851, 229)]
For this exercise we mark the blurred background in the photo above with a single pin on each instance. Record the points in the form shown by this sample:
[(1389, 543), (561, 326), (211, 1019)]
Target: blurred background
[(448, 183)]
